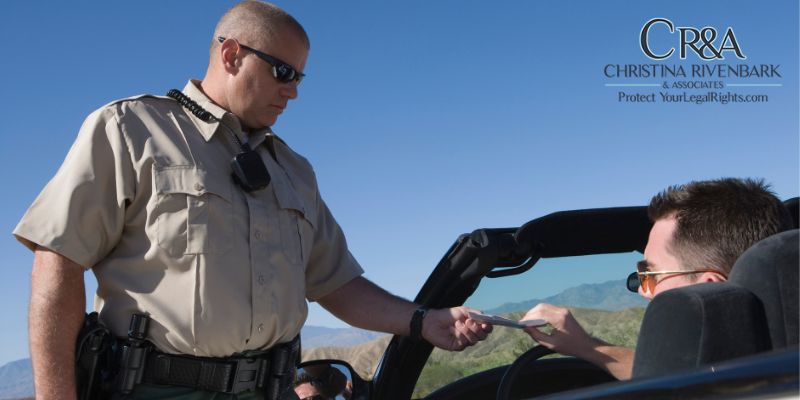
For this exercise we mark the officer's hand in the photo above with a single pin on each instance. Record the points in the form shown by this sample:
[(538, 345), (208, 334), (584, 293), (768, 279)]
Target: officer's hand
[(566, 337), (452, 329)]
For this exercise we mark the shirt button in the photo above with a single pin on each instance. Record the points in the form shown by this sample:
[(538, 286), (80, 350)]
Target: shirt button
[(198, 186), (260, 327), (261, 279), (258, 235)]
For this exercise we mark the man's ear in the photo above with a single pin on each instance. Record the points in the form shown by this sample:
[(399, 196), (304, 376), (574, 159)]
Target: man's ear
[(228, 52), (712, 277)]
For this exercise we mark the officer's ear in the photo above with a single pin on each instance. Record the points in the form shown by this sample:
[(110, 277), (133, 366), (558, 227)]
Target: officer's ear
[(228, 52)]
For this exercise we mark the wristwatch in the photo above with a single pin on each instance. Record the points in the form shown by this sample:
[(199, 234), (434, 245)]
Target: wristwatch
[(416, 323)]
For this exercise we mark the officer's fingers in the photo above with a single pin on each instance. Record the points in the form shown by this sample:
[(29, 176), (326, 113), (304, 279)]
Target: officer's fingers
[(479, 330), (456, 345), (464, 310), (465, 334)]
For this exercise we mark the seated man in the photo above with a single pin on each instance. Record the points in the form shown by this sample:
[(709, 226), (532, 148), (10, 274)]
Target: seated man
[(699, 230)]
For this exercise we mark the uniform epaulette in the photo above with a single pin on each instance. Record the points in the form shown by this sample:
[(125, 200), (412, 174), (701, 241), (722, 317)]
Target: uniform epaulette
[(133, 98)]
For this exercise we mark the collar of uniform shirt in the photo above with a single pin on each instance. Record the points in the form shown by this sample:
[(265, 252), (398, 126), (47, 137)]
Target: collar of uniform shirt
[(193, 91)]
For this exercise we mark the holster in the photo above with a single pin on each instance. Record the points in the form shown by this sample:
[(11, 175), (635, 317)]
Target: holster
[(92, 358), (106, 365)]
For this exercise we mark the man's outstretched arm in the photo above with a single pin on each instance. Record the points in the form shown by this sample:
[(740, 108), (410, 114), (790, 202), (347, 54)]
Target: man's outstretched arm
[(57, 309), (363, 304), (569, 338)]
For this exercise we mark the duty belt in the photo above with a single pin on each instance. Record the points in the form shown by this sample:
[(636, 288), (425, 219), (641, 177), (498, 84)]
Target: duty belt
[(271, 371)]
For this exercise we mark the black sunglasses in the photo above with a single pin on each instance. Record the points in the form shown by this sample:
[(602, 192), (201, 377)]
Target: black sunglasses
[(280, 70)]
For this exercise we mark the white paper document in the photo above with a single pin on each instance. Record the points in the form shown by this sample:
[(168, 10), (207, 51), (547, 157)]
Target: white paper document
[(498, 320)]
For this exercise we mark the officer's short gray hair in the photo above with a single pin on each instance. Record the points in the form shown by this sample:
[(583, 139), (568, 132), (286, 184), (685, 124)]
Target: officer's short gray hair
[(257, 24)]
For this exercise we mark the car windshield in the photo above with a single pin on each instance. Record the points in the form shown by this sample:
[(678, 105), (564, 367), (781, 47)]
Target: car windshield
[(592, 287)]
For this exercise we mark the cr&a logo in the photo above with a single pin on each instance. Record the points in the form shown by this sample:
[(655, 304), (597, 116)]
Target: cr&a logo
[(706, 49)]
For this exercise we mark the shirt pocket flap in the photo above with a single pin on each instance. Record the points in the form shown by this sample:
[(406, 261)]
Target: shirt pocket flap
[(288, 199), (191, 181)]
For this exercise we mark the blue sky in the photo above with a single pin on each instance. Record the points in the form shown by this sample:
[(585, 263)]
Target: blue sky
[(423, 120)]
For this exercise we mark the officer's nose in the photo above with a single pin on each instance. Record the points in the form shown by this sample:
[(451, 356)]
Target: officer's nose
[(289, 90)]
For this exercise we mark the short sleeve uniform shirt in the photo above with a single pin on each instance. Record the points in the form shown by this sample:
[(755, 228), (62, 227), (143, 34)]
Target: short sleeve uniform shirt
[(145, 198)]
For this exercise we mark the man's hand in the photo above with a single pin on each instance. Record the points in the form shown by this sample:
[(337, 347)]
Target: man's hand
[(452, 329), (567, 336)]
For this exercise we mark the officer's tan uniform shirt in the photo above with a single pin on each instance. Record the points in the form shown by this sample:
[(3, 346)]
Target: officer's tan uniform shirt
[(146, 200)]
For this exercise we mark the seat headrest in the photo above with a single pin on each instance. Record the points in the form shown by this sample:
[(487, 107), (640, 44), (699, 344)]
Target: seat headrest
[(699, 324), (769, 270)]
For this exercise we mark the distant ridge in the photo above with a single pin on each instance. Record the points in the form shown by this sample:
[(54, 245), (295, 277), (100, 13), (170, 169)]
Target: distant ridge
[(363, 357), (16, 379), (609, 296), (318, 336)]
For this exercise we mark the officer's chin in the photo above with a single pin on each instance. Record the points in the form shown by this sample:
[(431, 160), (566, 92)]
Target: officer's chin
[(258, 125), (267, 121)]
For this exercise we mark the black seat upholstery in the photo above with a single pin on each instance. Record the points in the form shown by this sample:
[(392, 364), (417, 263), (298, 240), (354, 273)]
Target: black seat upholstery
[(769, 270), (699, 324)]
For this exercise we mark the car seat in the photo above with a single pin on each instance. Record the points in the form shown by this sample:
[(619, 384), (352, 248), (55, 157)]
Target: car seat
[(699, 324), (769, 270), (757, 310)]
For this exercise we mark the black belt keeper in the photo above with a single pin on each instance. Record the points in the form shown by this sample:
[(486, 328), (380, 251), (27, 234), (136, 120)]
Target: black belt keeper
[(272, 371)]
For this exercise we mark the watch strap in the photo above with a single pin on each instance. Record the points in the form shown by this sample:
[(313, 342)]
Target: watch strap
[(415, 328)]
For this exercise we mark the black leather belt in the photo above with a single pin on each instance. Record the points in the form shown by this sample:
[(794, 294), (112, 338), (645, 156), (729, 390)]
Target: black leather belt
[(272, 371), (227, 376)]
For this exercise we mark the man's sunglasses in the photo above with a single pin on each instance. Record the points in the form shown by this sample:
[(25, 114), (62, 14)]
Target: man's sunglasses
[(646, 279), (280, 70)]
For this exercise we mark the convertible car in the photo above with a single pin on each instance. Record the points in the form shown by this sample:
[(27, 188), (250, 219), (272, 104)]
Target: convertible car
[(733, 340)]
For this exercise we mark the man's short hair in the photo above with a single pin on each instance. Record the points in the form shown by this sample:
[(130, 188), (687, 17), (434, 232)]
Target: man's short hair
[(717, 220), (256, 24)]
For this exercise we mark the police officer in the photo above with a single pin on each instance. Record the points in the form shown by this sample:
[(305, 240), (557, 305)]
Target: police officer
[(222, 266)]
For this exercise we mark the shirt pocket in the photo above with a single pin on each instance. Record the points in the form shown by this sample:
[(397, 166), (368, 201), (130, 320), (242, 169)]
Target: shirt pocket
[(193, 211), (296, 227)]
